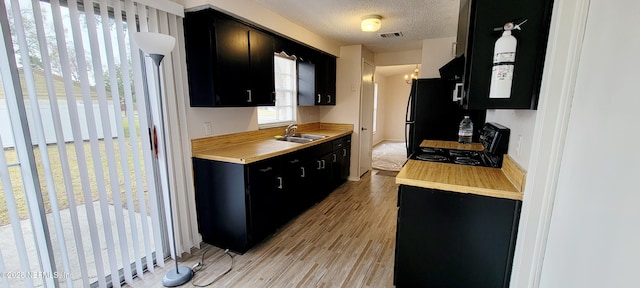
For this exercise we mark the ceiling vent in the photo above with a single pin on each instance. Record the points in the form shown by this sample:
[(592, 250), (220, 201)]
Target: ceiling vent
[(391, 34)]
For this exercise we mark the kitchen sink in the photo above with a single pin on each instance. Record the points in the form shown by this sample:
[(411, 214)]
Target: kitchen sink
[(300, 138)]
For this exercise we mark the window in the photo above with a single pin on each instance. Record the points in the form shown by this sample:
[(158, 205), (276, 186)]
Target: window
[(284, 111)]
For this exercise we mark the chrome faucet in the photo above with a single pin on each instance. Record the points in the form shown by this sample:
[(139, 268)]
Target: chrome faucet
[(291, 129)]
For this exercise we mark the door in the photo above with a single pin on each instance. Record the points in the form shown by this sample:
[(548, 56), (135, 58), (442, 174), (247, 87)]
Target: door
[(264, 186), (263, 89), (366, 117), (232, 48)]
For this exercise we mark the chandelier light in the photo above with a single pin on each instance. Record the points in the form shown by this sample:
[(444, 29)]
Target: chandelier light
[(414, 76), (371, 23)]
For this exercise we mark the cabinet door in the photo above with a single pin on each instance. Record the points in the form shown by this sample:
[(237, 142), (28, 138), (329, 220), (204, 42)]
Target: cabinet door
[(341, 161), (306, 83), (325, 79), (337, 162), (331, 80), (262, 91), (346, 164), (233, 66), (264, 186), (200, 39), (449, 239), (296, 185)]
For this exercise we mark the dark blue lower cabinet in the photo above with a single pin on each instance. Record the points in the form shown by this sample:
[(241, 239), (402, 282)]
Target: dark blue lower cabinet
[(450, 239), (238, 206)]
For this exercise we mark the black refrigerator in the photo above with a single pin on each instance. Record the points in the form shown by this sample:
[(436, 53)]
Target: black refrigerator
[(432, 114)]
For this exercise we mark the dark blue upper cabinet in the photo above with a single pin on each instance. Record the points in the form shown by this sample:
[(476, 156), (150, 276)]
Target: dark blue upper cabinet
[(229, 64)]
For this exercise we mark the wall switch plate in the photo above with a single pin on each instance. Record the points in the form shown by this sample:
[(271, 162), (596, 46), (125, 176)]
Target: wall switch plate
[(207, 129)]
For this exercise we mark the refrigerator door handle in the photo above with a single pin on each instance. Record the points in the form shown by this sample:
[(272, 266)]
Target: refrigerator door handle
[(409, 114), (408, 138)]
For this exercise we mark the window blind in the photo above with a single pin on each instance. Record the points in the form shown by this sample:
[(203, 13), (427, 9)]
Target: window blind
[(76, 146)]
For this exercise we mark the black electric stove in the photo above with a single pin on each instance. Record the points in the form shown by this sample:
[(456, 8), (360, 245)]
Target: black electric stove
[(494, 138)]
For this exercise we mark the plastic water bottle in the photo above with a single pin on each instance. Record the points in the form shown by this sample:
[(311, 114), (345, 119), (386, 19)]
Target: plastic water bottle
[(465, 131)]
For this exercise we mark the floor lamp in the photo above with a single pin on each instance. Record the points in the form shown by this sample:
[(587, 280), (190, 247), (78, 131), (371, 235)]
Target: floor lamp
[(158, 45)]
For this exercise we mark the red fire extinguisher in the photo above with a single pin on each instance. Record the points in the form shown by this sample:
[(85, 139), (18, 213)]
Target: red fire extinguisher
[(504, 60)]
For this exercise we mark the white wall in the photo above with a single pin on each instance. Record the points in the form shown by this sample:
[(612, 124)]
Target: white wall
[(521, 123), (435, 53), (347, 109), (397, 94), (595, 225), (398, 58)]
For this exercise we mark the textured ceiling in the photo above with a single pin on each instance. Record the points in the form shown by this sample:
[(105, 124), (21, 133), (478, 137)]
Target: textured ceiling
[(340, 20)]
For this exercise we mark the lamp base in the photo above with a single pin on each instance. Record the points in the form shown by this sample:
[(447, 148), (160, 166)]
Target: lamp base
[(175, 278)]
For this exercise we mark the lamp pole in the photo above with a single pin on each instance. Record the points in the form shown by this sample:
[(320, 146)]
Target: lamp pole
[(153, 44)]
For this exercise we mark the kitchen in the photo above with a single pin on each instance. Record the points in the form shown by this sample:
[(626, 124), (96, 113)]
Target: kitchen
[(523, 123), (569, 233), (344, 57)]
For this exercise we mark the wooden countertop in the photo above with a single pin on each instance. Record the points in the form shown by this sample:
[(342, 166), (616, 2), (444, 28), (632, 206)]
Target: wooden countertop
[(486, 181), (451, 145), (249, 151)]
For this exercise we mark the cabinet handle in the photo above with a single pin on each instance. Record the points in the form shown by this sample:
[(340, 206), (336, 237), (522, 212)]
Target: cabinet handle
[(319, 98), (344, 152), (335, 158), (280, 182), (323, 164), (329, 96), (457, 94), (303, 174), (249, 100), (266, 169), (294, 161), (319, 164)]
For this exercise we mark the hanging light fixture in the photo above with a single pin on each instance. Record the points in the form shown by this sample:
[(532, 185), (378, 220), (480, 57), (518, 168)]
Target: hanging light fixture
[(371, 23), (413, 76)]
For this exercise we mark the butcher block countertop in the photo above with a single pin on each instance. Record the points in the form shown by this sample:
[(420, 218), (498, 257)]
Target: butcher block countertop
[(253, 146), (506, 182), (451, 145)]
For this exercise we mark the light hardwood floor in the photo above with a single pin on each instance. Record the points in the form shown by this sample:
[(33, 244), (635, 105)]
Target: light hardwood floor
[(347, 240)]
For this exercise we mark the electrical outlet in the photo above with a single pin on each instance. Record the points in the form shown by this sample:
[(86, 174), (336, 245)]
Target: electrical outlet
[(519, 145), (207, 129)]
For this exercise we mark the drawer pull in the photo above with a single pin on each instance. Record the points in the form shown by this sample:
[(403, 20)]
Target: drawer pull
[(266, 169)]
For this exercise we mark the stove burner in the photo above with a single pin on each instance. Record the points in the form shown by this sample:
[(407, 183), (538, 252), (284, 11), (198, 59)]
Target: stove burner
[(432, 158), (432, 150), (463, 153), (467, 161)]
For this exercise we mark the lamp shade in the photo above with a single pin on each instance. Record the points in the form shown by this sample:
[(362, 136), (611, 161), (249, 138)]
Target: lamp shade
[(371, 23), (154, 43)]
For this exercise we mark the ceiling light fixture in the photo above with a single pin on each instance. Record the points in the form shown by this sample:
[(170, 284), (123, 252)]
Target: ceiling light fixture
[(371, 23), (413, 76)]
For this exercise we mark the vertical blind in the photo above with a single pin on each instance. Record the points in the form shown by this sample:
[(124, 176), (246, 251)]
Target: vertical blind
[(77, 181)]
